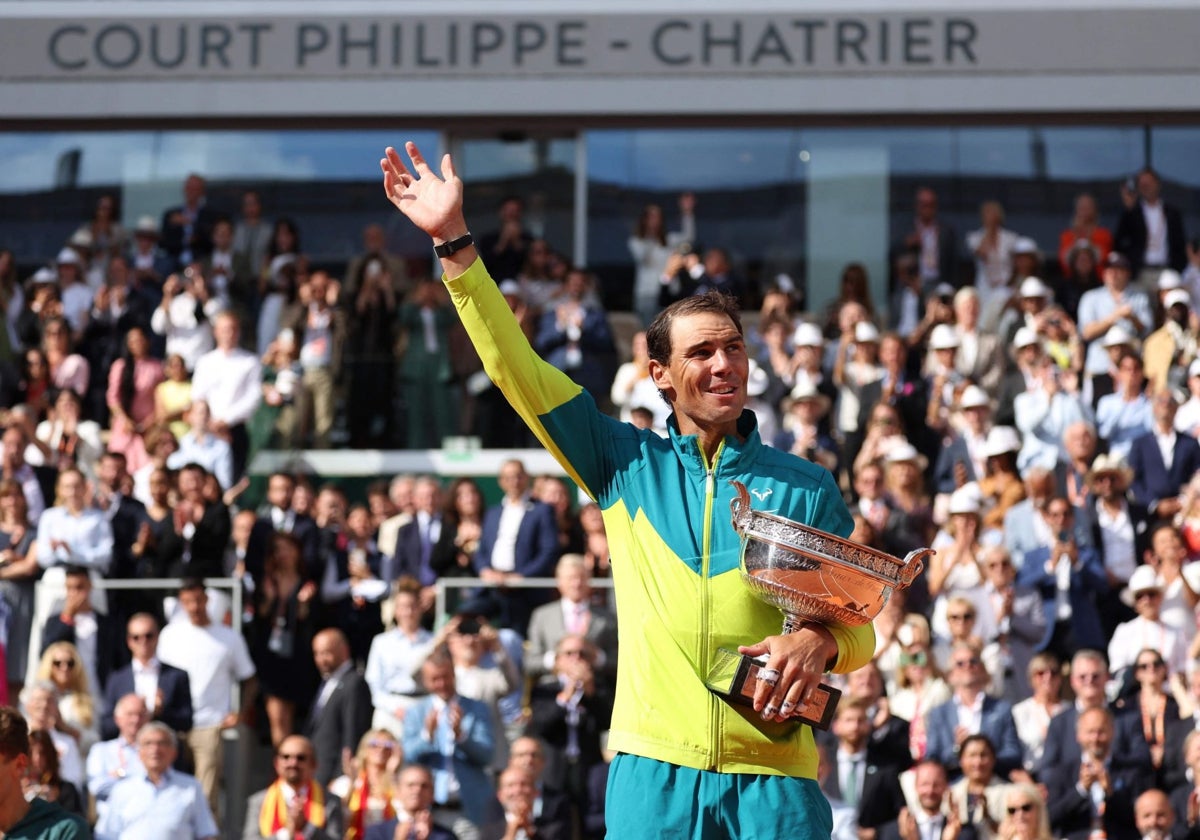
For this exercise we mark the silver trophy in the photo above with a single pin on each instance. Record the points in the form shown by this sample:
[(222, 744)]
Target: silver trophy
[(811, 576)]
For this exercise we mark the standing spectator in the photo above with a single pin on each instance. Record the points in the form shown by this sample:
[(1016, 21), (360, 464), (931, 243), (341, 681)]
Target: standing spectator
[(341, 710), (229, 379), (74, 293), (18, 570), (185, 316), (279, 281), (159, 801), (1163, 460), (369, 789), (280, 517), (66, 440), (352, 582), (13, 467), (117, 309), (1150, 231), (1012, 621), (930, 816), (283, 624), (453, 737), (215, 659), (505, 249), (395, 660), (417, 541), (165, 690), (520, 540), (28, 818), (462, 529), (934, 242), (1044, 412), (200, 445), (575, 337), (112, 760), (372, 330), (483, 670), (148, 264), (67, 368), (374, 242), (132, 382), (319, 327), (187, 229), (1118, 530), (992, 246), (651, 246), (429, 395), (400, 492), (572, 613), (252, 234), (1126, 414), (78, 712), (295, 803), (1114, 304), (1085, 227), (195, 544)]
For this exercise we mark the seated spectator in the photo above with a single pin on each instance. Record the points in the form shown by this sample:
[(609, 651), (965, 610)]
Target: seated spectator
[(319, 327), (1183, 795), (44, 780), (65, 440), (470, 639), (919, 683), (970, 712), (575, 337), (133, 380), (517, 796), (1167, 555), (202, 446), (39, 702), (1116, 303), (955, 568), (1147, 630), (78, 702), (172, 398), (888, 741), (159, 801), (871, 790), (595, 555), (979, 795), (1119, 529), (71, 534), (369, 792), (415, 817), (1090, 792), (1032, 715), (352, 585), (229, 379), (1001, 486), (632, 387), (461, 531), (400, 490), (572, 613), (295, 803), (928, 815), (452, 736), (68, 370), (1024, 814), (165, 691), (186, 315), (1126, 414), (1012, 623), (1157, 484), (110, 761), (802, 432), (395, 659)]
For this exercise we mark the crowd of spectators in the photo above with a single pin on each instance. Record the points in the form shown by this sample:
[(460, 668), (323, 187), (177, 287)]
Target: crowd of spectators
[(1034, 423)]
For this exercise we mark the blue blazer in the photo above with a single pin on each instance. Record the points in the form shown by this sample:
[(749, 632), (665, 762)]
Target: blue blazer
[(472, 754), (1086, 583), (177, 698), (386, 830), (537, 540), (1152, 479), (997, 724), (953, 452)]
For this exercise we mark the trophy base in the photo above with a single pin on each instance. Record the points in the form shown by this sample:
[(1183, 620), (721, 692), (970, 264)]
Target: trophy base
[(734, 677)]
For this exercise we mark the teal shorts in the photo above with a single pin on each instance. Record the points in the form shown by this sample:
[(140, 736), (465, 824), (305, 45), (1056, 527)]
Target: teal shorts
[(652, 799)]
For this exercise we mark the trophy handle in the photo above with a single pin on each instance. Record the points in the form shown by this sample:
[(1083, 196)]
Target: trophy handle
[(739, 508), (914, 564)]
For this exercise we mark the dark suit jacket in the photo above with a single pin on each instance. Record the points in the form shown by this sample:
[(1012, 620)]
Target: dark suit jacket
[(1152, 479), (1130, 237), (333, 819), (953, 452), (997, 724), (407, 560), (1061, 747), (304, 529), (1071, 813), (881, 798), (387, 830), (537, 540), (554, 823), (110, 648), (1011, 386), (890, 831), (125, 524), (1179, 804), (1087, 584), (172, 236), (548, 721), (177, 698), (340, 723)]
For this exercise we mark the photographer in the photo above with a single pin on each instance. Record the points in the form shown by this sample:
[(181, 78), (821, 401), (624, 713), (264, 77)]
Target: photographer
[(185, 315)]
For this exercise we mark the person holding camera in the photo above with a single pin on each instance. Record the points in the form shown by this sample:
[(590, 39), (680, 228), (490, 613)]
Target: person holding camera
[(185, 316), (652, 247)]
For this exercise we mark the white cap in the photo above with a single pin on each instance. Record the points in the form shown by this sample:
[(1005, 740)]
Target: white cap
[(44, 275), (1177, 296), (1001, 439), (1025, 337), (81, 238), (808, 335), (1033, 287), (1193, 368), (67, 256), (904, 451), (964, 500), (1117, 336), (1025, 245), (865, 332), (1169, 279), (1142, 579), (974, 397), (510, 287), (943, 337), (146, 224), (757, 381)]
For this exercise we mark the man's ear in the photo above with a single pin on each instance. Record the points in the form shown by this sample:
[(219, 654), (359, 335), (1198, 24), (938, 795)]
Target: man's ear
[(660, 375)]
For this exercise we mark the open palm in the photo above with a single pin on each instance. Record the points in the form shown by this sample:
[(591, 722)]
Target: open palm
[(433, 204)]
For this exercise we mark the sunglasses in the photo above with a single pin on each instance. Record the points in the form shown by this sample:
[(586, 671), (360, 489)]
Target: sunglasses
[(63, 663), (140, 637), (1146, 666), (1023, 808), (1147, 593), (960, 616), (968, 663), (298, 757), (381, 744), (920, 658), (571, 653)]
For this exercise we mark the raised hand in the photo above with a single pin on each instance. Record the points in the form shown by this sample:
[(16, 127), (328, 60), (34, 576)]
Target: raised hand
[(433, 204)]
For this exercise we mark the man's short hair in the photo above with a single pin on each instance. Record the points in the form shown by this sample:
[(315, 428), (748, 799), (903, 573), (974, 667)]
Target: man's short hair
[(191, 584), (1089, 654), (158, 726), (14, 733), (658, 334), (75, 570)]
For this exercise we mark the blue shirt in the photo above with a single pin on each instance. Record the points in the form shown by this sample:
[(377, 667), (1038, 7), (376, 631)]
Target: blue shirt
[(1120, 421), (213, 454), (105, 760), (174, 809)]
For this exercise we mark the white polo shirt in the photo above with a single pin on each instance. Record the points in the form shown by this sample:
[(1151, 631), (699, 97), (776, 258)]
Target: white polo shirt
[(215, 657)]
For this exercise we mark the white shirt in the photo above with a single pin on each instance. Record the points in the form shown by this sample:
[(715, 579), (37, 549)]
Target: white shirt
[(107, 763), (212, 453), (1116, 540), (145, 680), (186, 335), (392, 665), (1156, 233), (1166, 445), (1136, 635), (215, 658), (970, 717), (504, 551), (231, 384)]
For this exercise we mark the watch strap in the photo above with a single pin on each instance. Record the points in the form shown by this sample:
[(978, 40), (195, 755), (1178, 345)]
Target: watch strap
[(447, 249)]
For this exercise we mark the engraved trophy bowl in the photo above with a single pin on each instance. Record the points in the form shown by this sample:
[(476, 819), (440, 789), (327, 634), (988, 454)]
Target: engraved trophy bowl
[(810, 576)]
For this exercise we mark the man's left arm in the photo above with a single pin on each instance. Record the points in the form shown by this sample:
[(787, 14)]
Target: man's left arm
[(541, 563)]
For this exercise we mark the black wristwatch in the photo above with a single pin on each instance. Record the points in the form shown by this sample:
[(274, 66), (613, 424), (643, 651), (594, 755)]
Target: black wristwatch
[(452, 247)]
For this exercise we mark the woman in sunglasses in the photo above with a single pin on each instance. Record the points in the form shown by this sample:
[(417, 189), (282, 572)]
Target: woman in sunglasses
[(1024, 815), (919, 684), (61, 665), (369, 786)]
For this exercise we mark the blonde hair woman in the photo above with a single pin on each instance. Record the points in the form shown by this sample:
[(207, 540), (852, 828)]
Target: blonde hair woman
[(62, 665), (369, 786), (1025, 815)]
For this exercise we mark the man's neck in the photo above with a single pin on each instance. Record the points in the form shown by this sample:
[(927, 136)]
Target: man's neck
[(1162, 431), (155, 776), (968, 695), (145, 662), (203, 622), (12, 812)]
